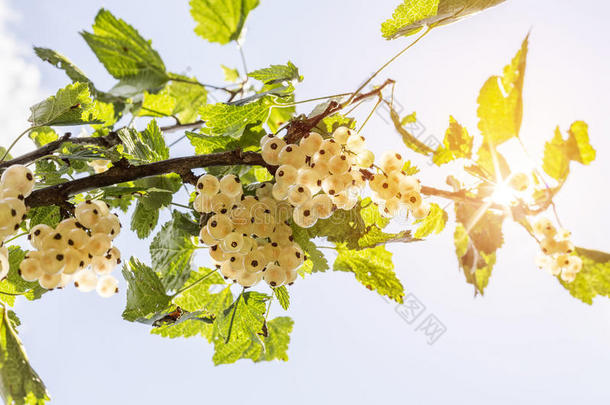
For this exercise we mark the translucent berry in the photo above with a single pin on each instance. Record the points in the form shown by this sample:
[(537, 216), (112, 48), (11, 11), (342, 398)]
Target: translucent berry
[(98, 244), (30, 269), (271, 151), (208, 185), (85, 280), (219, 226), (286, 175), (49, 281), (292, 155), (341, 134), (231, 186), (107, 286), (298, 195), (274, 275), (232, 243), (37, 235), (310, 143)]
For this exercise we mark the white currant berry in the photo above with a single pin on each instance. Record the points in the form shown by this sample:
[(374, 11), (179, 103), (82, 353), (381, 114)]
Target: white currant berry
[(355, 143), (77, 238), (310, 178), (565, 246), (391, 161), (18, 178), (341, 134), (548, 246), (345, 201), (286, 175), (568, 276), (222, 203), (114, 254), (208, 185), (298, 195), (49, 281), (291, 276), (89, 217), (255, 261), (421, 211), (205, 237), (323, 206), (107, 286), (4, 262), (264, 190), (101, 265), (231, 185), (217, 254), (545, 227), (109, 225), (74, 260), (16, 209), (334, 184), (291, 257), (412, 199), (274, 275), (37, 235), (271, 151), (29, 269), (52, 261), (320, 163), (98, 244), (410, 183), (246, 279), (55, 240), (85, 280), (270, 252), (292, 155), (574, 264), (339, 164), (305, 215), (265, 139), (236, 260), (228, 271), (310, 143), (280, 191), (65, 280), (232, 243), (366, 159), (219, 226)]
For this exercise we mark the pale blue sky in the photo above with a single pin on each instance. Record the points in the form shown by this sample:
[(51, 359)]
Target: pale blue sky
[(526, 341)]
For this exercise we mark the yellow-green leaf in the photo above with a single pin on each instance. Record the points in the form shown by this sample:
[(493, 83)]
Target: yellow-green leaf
[(456, 144), (501, 102), (593, 279), (221, 20), (434, 223)]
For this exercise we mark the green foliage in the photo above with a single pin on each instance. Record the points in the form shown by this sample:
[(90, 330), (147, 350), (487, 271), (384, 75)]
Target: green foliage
[(221, 20), (478, 235), (155, 193), (434, 223), (409, 168), (61, 62), (231, 75), (241, 332), (231, 120), (19, 382), (277, 74), (145, 292), (13, 285), (456, 144), (593, 279), (172, 249), (412, 15), (125, 54), (69, 106), (43, 135), (303, 237), (559, 152), (282, 296), (178, 99), (146, 146), (501, 101), (373, 268), (48, 215)]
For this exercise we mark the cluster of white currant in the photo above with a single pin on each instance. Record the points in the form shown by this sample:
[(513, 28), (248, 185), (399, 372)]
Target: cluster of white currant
[(320, 175), (556, 251), (16, 183), (249, 236), (78, 249)]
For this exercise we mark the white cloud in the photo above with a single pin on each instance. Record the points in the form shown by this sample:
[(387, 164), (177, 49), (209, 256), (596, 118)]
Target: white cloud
[(19, 82)]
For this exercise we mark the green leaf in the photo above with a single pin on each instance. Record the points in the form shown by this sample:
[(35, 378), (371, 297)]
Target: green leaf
[(277, 73), (408, 138), (303, 238), (172, 249), (178, 99), (501, 101), (412, 15), (61, 62), (239, 329), (144, 220), (434, 223), (373, 268), (221, 20), (145, 292), (122, 51), (205, 144), (20, 384), (559, 152), (477, 265), (456, 144), (146, 146), (280, 116), (198, 298), (231, 75), (231, 120), (593, 279), (42, 136), (14, 284), (409, 168), (282, 296), (69, 106), (48, 215), (277, 340)]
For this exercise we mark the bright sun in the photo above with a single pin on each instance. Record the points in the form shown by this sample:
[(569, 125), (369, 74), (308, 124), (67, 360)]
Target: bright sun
[(503, 194)]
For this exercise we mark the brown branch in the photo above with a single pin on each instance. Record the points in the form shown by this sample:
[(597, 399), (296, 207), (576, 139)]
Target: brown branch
[(180, 127), (107, 141), (297, 128), (123, 171)]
